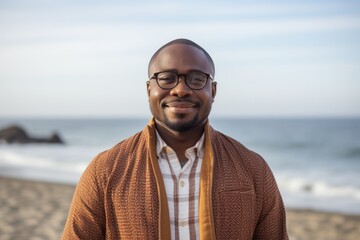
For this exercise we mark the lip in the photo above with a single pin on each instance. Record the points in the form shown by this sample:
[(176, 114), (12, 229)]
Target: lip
[(180, 104), (180, 107)]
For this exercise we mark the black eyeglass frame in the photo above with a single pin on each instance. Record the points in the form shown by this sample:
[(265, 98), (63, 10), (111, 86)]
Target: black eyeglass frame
[(208, 76)]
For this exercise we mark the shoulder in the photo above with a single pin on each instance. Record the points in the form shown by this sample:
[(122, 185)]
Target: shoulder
[(230, 149), (123, 147), (232, 156), (233, 146), (105, 162)]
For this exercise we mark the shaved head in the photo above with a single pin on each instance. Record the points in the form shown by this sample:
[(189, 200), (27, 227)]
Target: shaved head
[(186, 42)]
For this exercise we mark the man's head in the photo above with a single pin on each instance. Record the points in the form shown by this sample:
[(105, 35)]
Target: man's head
[(186, 42), (186, 105)]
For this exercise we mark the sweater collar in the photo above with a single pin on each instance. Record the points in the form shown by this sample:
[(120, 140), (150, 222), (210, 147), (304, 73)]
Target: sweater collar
[(161, 145)]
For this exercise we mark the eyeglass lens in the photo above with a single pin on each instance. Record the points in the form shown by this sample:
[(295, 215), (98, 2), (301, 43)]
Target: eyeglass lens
[(168, 80)]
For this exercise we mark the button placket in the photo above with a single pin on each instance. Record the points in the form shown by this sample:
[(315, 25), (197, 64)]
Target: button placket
[(183, 223), (182, 183)]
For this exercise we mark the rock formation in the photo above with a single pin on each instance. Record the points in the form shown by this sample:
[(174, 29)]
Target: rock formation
[(16, 134)]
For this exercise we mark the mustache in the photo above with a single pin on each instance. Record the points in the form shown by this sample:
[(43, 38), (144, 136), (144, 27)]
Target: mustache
[(179, 100)]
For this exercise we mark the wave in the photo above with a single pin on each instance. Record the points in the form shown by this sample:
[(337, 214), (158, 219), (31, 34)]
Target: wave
[(319, 188), (16, 159), (28, 165)]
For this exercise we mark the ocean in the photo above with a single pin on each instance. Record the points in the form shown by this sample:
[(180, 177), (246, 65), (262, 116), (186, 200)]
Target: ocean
[(316, 162)]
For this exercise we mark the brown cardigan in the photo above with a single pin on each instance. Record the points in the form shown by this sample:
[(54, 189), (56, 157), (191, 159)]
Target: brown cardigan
[(121, 194)]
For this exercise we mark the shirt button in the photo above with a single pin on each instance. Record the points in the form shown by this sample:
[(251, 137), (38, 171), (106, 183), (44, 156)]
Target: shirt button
[(183, 223), (182, 183)]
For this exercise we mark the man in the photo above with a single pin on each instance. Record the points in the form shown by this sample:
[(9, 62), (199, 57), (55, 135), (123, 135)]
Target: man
[(178, 178)]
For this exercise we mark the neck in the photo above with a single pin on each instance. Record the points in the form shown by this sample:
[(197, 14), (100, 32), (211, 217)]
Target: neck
[(180, 141)]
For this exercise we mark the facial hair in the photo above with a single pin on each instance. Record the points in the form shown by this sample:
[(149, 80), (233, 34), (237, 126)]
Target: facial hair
[(181, 127)]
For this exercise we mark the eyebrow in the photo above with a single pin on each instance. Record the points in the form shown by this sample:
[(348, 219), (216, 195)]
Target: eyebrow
[(174, 70)]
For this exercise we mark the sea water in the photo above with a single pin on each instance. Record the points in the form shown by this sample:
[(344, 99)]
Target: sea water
[(316, 162)]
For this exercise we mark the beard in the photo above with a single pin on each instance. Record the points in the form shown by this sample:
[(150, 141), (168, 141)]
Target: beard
[(181, 126)]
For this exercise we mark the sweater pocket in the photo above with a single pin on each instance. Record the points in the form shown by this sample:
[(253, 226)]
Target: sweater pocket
[(235, 214)]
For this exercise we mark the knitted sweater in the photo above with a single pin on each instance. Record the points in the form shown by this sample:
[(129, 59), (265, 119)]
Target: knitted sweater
[(121, 194)]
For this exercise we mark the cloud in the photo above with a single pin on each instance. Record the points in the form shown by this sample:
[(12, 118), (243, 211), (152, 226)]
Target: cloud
[(52, 47)]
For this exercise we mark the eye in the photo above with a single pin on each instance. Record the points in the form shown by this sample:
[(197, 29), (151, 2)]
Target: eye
[(167, 77), (197, 79)]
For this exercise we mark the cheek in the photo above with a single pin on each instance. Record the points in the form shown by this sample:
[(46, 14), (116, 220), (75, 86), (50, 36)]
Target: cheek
[(207, 100), (155, 97), (154, 91), (207, 96)]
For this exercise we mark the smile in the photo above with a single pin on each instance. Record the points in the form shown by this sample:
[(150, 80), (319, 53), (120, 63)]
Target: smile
[(180, 107)]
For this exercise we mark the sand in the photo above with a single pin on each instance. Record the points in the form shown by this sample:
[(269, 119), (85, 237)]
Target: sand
[(38, 210)]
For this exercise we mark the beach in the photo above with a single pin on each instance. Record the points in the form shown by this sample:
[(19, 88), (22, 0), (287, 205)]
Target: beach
[(38, 210)]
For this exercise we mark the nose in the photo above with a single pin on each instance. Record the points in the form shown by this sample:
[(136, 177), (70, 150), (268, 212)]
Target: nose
[(181, 90)]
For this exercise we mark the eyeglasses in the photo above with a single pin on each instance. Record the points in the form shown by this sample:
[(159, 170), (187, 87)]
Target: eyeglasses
[(168, 80)]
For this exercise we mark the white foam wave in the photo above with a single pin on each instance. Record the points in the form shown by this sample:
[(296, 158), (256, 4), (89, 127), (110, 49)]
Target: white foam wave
[(319, 188), (25, 160), (56, 165)]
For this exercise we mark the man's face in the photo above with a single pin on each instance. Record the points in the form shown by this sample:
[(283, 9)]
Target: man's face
[(180, 108)]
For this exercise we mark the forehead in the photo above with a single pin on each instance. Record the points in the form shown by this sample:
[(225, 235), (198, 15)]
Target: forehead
[(182, 58)]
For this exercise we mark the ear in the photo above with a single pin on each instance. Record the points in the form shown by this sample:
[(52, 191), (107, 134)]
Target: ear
[(213, 89), (148, 88)]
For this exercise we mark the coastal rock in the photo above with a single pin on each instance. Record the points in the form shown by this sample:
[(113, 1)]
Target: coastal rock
[(16, 134)]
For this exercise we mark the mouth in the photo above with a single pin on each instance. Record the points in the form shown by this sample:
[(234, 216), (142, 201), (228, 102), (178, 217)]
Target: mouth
[(180, 104), (180, 107)]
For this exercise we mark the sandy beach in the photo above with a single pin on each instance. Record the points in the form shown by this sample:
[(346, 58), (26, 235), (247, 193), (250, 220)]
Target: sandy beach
[(38, 210)]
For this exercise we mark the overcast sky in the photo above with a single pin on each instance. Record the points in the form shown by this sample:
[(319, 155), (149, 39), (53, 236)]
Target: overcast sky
[(89, 58)]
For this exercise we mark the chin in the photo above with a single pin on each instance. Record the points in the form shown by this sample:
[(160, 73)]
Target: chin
[(181, 125)]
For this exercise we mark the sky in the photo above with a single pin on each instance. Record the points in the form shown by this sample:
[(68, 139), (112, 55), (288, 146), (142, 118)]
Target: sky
[(89, 58)]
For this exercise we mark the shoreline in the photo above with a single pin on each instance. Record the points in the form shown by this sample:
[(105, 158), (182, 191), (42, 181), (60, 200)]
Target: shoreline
[(38, 209)]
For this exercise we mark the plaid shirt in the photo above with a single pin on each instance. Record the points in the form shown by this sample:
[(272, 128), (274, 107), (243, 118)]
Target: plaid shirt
[(182, 187)]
